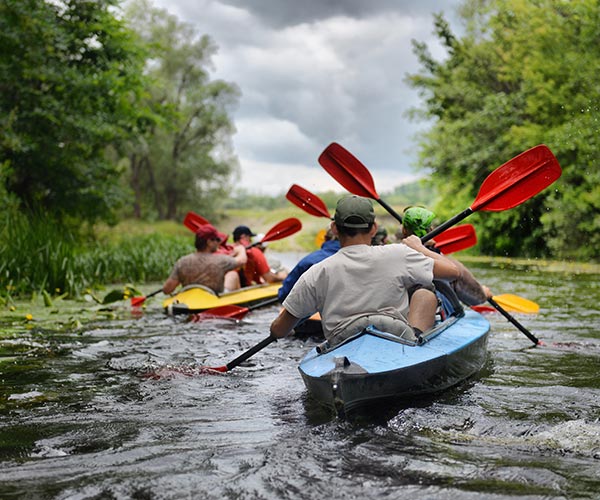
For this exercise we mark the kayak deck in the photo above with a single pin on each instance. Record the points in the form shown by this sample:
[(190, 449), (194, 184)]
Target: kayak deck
[(376, 365), (197, 298)]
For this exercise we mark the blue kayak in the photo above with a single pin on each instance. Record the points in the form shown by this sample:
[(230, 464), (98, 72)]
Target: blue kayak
[(375, 365)]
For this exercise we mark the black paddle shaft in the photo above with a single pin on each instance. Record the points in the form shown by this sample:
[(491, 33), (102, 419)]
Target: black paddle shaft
[(501, 310), (449, 223), (250, 352), (390, 210)]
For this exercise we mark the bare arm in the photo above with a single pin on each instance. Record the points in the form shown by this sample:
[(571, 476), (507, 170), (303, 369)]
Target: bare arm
[(170, 285), (271, 277), (443, 267), (283, 324), (468, 289), (239, 254)]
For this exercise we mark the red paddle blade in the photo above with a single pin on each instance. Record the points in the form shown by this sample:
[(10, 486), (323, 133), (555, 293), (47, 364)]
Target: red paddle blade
[(230, 311), (219, 369), (169, 372), (518, 180), (483, 309), (283, 229), (192, 221), (456, 239), (345, 168), (307, 201), (137, 301)]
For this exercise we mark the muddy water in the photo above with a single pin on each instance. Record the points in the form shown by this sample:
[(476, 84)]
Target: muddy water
[(80, 420)]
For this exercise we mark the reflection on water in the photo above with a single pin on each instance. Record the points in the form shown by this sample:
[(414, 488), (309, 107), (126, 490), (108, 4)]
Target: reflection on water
[(79, 419)]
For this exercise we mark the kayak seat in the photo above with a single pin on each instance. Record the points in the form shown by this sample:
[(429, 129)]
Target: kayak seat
[(450, 304)]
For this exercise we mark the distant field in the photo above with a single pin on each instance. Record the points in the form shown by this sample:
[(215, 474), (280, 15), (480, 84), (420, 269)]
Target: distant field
[(304, 241), (260, 221)]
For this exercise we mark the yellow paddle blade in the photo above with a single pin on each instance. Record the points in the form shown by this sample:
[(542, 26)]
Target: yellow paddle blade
[(320, 238), (514, 303)]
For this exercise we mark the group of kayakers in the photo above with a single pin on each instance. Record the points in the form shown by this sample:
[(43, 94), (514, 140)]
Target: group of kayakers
[(223, 267), (357, 278)]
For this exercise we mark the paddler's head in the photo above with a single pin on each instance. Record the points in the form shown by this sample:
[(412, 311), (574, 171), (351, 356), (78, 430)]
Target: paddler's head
[(243, 234), (417, 221), (354, 215), (380, 237), (207, 236)]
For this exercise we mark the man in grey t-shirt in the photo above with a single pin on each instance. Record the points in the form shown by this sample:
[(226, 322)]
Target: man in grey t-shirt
[(389, 286), (206, 267)]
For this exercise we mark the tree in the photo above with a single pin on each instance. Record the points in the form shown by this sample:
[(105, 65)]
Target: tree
[(185, 161), (524, 74), (70, 80)]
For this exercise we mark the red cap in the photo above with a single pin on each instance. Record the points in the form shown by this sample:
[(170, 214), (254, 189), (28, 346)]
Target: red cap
[(208, 231)]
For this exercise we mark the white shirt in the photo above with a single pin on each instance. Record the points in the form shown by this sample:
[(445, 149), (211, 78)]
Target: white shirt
[(357, 281)]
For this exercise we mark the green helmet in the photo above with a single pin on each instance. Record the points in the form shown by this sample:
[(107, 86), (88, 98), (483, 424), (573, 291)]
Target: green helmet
[(417, 220)]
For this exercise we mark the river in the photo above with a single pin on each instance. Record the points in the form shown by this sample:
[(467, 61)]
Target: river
[(79, 419)]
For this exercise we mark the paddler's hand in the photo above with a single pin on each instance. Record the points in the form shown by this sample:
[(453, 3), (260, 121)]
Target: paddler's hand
[(414, 242)]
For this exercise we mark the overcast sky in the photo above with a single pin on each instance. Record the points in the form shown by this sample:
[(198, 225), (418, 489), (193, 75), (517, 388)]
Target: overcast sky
[(312, 72)]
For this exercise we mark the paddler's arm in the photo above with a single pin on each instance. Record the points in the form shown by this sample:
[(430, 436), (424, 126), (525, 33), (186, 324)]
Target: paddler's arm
[(170, 285), (443, 267), (239, 254), (283, 324)]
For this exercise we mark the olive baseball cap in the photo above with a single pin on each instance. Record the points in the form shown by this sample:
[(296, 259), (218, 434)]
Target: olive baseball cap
[(354, 212)]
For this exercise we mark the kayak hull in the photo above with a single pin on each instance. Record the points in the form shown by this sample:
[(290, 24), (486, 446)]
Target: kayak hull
[(197, 298), (372, 366)]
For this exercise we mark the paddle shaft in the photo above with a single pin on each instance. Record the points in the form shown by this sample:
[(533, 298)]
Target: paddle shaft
[(449, 223), (250, 352), (390, 210), (510, 318), (138, 301)]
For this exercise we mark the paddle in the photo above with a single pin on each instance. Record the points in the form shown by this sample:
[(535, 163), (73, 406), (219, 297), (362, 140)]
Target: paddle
[(138, 301), (509, 185), (510, 303), (241, 358), (345, 168), (207, 370), (193, 220), (307, 201), (281, 230), (231, 311), (456, 239), (517, 304)]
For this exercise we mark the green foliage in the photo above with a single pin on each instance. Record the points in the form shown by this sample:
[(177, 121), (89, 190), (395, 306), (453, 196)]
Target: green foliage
[(38, 255), (414, 193), (242, 199), (70, 74), (185, 161), (524, 74)]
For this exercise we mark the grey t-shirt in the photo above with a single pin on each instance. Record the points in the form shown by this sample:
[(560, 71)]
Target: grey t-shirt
[(206, 269), (360, 280)]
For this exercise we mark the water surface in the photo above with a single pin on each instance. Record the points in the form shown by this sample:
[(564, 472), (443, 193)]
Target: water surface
[(79, 419)]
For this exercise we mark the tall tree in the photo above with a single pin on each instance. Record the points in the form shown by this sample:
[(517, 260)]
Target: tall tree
[(70, 82), (523, 74), (186, 161)]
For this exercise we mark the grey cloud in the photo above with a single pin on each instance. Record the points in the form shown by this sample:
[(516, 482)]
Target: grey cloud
[(281, 13)]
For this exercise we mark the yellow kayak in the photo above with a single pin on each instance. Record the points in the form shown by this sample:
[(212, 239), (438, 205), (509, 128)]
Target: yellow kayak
[(198, 298)]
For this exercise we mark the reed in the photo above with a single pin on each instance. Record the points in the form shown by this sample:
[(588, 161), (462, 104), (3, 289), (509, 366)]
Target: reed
[(39, 255)]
